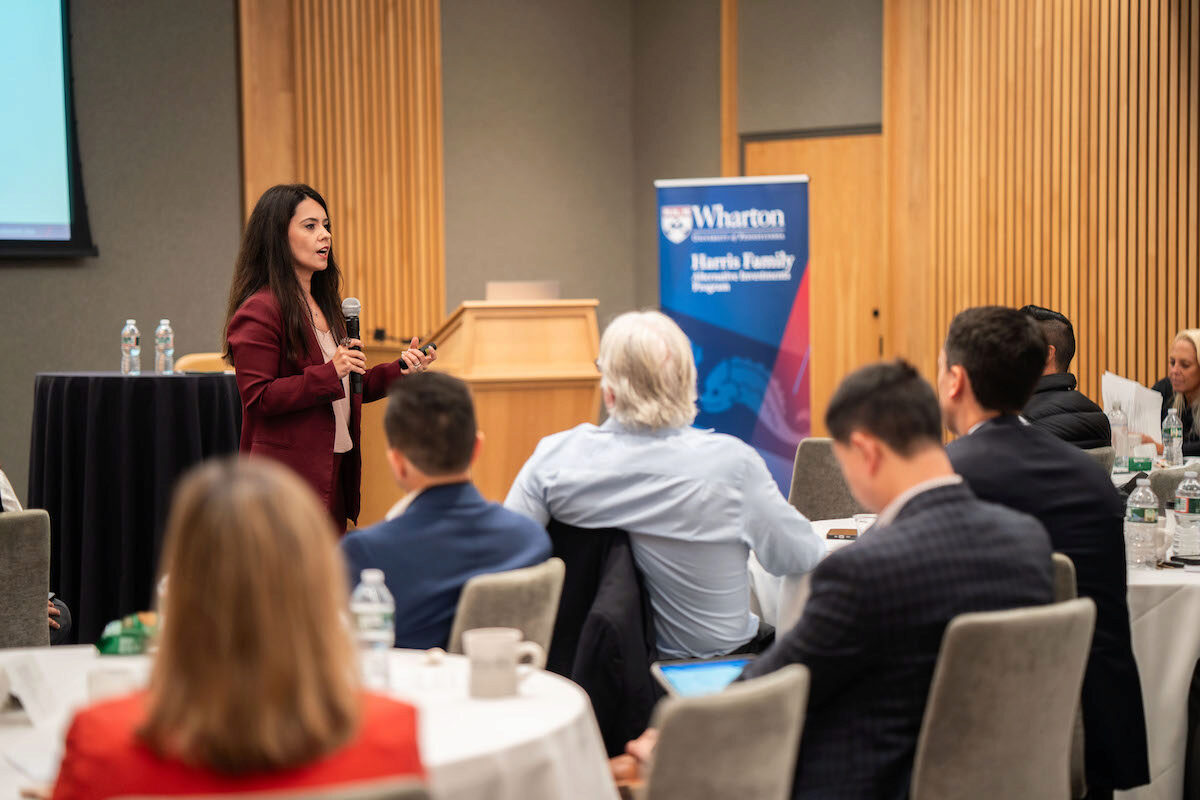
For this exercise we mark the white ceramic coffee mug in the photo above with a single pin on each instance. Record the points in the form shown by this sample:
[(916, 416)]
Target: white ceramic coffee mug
[(494, 654)]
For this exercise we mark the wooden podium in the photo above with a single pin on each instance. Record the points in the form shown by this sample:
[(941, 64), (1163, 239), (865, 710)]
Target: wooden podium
[(531, 366)]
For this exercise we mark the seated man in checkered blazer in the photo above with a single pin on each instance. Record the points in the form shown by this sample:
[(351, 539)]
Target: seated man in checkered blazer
[(872, 627)]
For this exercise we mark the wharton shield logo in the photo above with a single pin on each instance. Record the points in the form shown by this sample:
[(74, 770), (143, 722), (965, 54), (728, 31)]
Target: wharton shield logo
[(676, 223)]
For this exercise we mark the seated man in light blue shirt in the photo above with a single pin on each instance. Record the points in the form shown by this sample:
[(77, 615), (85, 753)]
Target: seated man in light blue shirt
[(694, 502)]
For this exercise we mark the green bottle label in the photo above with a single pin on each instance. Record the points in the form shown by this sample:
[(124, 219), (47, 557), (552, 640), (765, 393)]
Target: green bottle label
[(1142, 515)]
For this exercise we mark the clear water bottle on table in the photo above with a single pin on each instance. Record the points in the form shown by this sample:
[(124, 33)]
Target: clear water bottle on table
[(1120, 437), (1141, 526), (1172, 439), (131, 349), (374, 612), (1187, 517), (164, 348)]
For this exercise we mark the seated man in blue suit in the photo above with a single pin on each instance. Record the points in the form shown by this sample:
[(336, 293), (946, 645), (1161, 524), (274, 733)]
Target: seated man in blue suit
[(443, 532)]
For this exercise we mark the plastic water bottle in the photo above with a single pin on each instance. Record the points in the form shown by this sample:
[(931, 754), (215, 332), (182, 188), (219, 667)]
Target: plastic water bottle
[(1120, 437), (1172, 438), (1141, 524), (164, 348), (374, 612), (1187, 517), (131, 349)]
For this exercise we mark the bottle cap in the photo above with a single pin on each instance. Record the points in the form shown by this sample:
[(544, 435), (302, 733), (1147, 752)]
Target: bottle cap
[(130, 322), (1189, 474), (372, 576), (164, 322), (1141, 482)]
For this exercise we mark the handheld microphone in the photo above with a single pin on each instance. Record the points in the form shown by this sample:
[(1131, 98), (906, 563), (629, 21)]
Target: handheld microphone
[(351, 308)]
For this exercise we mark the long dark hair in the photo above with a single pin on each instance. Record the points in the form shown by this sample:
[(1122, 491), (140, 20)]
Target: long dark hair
[(265, 259)]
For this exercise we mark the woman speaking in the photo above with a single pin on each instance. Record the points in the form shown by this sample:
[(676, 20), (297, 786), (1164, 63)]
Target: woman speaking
[(286, 338)]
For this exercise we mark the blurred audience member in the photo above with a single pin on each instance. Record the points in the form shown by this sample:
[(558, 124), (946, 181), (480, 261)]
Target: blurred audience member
[(443, 532), (1056, 405), (255, 683), (987, 369), (694, 502), (872, 627), (1181, 388)]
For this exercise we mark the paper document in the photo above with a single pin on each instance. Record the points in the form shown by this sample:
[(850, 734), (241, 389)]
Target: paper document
[(1142, 406)]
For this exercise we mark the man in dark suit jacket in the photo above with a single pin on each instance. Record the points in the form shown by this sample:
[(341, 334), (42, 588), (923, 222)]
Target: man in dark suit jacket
[(991, 359), (443, 532), (1056, 405), (872, 627)]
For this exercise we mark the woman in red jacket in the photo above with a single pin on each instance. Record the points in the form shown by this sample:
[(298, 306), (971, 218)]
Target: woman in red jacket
[(286, 338), (255, 683)]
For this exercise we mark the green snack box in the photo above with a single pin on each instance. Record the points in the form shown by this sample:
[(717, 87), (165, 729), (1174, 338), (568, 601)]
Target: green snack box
[(1139, 464), (129, 636)]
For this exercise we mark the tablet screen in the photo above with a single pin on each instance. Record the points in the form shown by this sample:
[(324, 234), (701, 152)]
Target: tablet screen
[(702, 677)]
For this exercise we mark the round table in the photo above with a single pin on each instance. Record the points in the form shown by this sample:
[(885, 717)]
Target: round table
[(105, 454), (1164, 611), (542, 744)]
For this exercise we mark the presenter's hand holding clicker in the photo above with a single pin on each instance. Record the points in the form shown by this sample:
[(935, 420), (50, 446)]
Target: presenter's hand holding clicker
[(347, 359), (418, 358)]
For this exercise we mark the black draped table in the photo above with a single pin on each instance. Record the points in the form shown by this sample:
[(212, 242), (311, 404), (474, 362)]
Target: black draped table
[(106, 452)]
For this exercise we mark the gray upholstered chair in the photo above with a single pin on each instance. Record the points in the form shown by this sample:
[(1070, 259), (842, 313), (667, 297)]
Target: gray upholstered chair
[(1065, 588), (741, 742), (1003, 702), (1164, 482), (818, 489), (385, 789), (24, 578), (525, 599), (1104, 456)]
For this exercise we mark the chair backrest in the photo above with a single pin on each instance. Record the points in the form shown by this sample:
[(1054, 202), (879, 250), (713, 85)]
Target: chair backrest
[(818, 489), (1104, 456), (1002, 704), (525, 599), (386, 789), (24, 578), (201, 362), (741, 742), (1066, 588), (1164, 482)]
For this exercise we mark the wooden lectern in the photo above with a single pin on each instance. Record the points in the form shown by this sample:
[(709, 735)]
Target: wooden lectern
[(531, 366)]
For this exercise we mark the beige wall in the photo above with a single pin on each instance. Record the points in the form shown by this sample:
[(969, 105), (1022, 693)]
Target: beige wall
[(806, 64), (156, 103), (539, 147)]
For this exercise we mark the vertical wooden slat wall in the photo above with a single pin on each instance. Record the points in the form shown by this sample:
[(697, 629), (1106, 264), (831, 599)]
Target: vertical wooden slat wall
[(1045, 152), (359, 82)]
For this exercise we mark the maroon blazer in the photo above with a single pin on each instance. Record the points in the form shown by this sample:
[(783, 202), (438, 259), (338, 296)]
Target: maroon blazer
[(287, 411)]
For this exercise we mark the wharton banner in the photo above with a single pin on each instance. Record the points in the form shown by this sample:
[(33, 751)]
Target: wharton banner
[(733, 256)]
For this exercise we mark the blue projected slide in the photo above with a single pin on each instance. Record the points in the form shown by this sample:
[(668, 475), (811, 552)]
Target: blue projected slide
[(35, 194), (702, 677)]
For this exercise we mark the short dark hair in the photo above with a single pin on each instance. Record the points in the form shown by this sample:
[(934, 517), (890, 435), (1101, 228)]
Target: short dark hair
[(889, 400), (431, 419), (1003, 352), (1058, 331)]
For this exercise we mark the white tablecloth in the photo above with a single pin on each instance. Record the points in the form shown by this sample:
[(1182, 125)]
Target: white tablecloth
[(782, 598), (541, 745), (1164, 606)]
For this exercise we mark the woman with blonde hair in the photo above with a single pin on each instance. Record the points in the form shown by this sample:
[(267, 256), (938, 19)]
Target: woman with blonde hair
[(255, 685), (1181, 388)]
